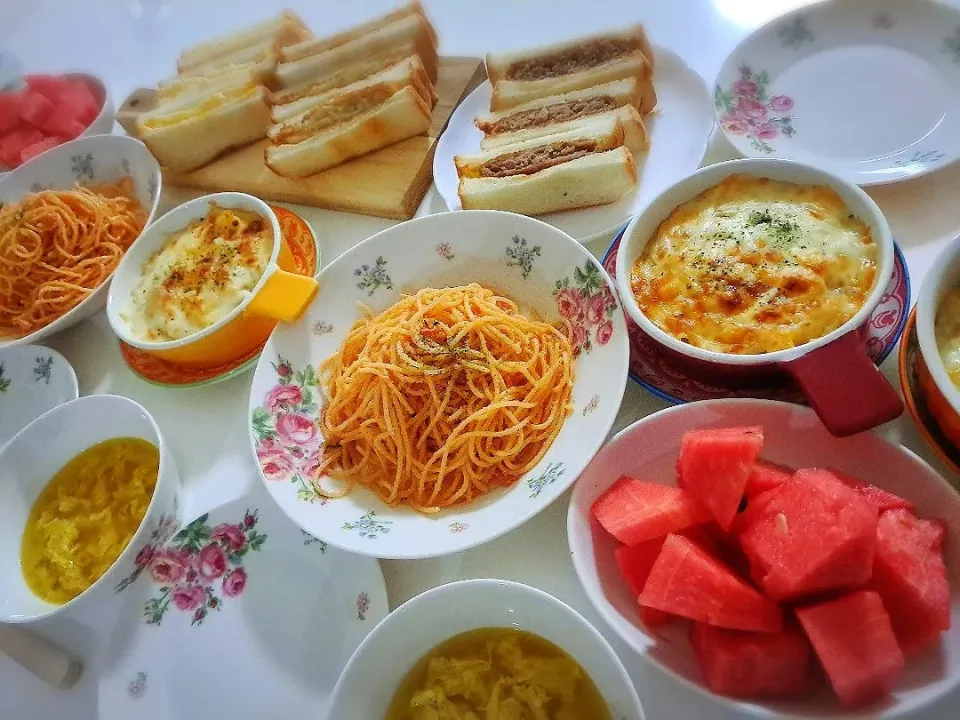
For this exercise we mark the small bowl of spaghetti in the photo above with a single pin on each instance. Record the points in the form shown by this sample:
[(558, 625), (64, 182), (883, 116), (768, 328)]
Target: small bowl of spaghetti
[(452, 378), (66, 220)]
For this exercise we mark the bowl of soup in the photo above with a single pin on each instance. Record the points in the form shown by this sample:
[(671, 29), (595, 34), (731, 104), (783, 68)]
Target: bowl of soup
[(493, 648), (90, 494), (938, 334), (753, 267), (207, 282)]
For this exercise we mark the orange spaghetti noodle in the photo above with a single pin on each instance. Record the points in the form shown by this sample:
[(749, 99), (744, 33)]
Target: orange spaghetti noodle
[(442, 397), (58, 246)]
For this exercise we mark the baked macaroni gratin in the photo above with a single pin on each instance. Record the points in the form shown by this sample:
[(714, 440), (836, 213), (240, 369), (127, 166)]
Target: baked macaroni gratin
[(947, 332), (754, 265)]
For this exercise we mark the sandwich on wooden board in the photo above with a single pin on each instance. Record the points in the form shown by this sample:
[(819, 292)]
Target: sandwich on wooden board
[(252, 43), (520, 77), (190, 129), (590, 165), (347, 124), (559, 113)]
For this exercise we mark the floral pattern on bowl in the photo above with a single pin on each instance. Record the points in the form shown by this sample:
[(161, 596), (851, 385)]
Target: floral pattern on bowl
[(33, 379), (546, 272), (748, 110)]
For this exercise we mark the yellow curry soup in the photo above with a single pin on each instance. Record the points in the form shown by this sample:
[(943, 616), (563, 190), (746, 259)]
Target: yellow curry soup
[(200, 275), (754, 265)]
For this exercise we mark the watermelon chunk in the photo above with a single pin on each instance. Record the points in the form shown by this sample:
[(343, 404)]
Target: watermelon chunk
[(765, 476), (64, 123), (811, 535), (13, 143), (749, 664), (686, 580), (883, 499), (635, 562), (635, 511), (35, 108), (10, 110), (909, 575), (50, 86), (714, 466), (31, 151), (80, 97), (853, 638)]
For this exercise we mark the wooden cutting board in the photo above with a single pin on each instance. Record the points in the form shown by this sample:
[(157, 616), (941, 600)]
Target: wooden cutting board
[(388, 183)]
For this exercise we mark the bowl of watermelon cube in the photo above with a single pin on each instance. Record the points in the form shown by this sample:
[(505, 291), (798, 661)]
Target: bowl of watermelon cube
[(784, 572), (49, 110)]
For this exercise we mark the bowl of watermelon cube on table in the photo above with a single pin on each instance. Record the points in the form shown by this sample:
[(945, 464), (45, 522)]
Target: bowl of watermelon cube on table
[(48, 110), (740, 547)]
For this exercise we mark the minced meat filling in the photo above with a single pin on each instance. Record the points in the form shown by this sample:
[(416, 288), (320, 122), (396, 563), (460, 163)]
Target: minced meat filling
[(581, 57), (527, 162), (561, 112), (330, 114)]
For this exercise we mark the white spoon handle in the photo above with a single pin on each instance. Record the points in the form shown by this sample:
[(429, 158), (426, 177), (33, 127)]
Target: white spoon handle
[(48, 662)]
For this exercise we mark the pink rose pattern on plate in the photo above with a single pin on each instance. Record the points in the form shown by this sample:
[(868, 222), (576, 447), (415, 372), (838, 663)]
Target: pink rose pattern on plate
[(655, 371), (748, 110), (201, 566), (286, 429), (587, 304), (151, 550)]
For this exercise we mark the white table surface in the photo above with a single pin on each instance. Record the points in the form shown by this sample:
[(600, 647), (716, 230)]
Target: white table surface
[(133, 43)]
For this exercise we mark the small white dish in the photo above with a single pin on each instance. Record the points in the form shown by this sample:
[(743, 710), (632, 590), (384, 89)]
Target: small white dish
[(31, 459), (88, 160), (794, 436), (678, 129), (241, 615), (865, 89), (376, 669), (33, 379), (542, 269)]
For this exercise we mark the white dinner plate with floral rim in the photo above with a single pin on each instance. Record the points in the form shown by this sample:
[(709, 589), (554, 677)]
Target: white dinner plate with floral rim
[(679, 130), (33, 379), (239, 615), (866, 89), (544, 270)]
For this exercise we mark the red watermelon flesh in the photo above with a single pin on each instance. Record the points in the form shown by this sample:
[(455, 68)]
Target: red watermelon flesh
[(635, 562), (883, 499), (909, 575), (36, 108), (635, 511), (82, 96), (31, 151), (765, 476), (10, 103), (750, 664), (13, 143), (686, 580), (51, 86), (853, 638), (811, 535), (715, 464)]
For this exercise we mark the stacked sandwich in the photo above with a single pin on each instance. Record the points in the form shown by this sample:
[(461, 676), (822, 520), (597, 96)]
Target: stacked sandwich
[(220, 98), (355, 92), (565, 126)]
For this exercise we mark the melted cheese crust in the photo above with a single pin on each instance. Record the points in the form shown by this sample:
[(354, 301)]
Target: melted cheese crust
[(754, 265), (200, 275), (947, 331)]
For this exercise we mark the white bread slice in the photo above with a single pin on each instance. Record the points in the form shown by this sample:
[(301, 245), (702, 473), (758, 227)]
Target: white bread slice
[(251, 73), (264, 53), (411, 30), (511, 93), (184, 137), (634, 131), (404, 115), (594, 179), (626, 40), (314, 46), (408, 72), (284, 29)]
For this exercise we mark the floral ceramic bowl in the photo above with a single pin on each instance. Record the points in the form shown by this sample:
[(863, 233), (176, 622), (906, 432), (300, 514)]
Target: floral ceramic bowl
[(540, 267), (419, 625), (33, 379), (87, 160), (34, 456)]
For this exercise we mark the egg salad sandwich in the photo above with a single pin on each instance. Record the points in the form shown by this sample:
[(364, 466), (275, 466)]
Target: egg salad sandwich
[(319, 62), (191, 128), (262, 72), (559, 113), (349, 123), (255, 43), (520, 77), (590, 165)]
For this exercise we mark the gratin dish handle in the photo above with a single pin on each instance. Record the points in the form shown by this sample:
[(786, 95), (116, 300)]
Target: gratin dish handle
[(844, 386), (284, 296)]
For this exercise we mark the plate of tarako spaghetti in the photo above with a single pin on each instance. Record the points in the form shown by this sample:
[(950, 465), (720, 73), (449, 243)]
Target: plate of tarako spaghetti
[(66, 219), (452, 378)]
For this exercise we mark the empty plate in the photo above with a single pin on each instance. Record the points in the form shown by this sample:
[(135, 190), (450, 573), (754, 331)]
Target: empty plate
[(33, 379)]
